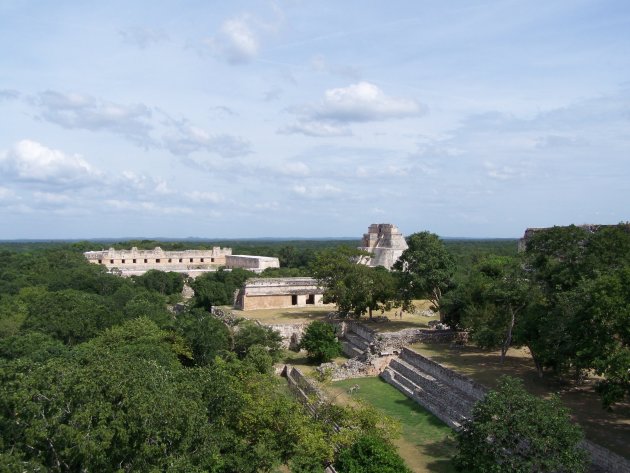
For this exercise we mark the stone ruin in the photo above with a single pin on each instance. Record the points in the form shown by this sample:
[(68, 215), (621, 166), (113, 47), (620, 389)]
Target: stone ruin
[(385, 244)]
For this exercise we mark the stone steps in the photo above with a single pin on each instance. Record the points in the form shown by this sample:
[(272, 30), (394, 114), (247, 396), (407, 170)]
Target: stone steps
[(354, 345), (460, 401), (350, 350), (426, 400), (449, 396)]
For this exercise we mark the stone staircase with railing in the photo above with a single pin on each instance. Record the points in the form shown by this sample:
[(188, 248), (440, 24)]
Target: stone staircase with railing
[(448, 395)]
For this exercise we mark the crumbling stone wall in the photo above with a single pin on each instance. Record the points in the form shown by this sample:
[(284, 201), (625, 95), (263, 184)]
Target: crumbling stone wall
[(291, 333)]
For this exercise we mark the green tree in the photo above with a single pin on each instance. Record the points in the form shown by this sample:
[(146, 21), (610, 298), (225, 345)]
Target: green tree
[(513, 431), (218, 287), (71, 316), (249, 334), (426, 268), (499, 292), (581, 321), (320, 342), (166, 283), (370, 454), (356, 289), (206, 335)]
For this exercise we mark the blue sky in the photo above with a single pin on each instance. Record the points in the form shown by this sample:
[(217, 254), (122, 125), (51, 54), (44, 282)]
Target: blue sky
[(312, 119)]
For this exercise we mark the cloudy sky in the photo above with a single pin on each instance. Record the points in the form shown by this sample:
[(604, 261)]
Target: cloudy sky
[(312, 119)]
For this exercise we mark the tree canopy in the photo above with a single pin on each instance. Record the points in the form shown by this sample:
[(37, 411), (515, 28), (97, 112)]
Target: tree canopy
[(356, 289), (426, 268), (320, 342), (512, 431)]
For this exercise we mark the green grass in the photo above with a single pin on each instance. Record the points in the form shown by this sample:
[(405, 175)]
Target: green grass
[(426, 444)]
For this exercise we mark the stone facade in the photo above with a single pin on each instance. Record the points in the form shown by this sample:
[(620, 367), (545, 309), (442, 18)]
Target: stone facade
[(385, 243), (193, 262), (140, 261), (279, 293), (252, 263)]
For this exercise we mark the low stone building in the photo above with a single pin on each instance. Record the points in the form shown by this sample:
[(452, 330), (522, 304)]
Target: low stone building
[(279, 293), (385, 243), (252, 263)]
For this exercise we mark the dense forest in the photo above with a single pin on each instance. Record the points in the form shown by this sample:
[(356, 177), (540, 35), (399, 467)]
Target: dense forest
[(99, 373)]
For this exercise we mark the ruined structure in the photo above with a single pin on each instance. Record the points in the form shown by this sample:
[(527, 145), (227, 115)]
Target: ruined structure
[(277, 293), (385, 243)]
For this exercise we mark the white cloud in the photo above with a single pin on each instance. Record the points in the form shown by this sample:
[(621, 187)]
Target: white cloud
[(142, 36), (51, 198), (357, 103), (85, 112), (30, 161), (187, 139), (316, 129), (316, 192), (145, 206), (363, 102), (205, 197), (296, 168), (7, 195), (236, 41)]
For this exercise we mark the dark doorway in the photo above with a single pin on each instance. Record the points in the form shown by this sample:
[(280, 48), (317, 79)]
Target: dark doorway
[(310, 299), (294, 299)]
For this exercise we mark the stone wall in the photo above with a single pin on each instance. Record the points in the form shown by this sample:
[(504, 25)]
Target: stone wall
[(395, 341), (605, 461), (450, 377), (291, 333), (252, 263)]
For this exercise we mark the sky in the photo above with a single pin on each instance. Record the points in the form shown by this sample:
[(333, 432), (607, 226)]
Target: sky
[(312, 119)]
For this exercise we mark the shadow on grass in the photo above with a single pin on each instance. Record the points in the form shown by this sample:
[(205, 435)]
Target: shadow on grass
[(416, 409), (443, 451)]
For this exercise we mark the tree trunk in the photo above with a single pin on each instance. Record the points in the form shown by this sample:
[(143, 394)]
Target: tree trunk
[(508, 336), (370, 312), (539, 368)]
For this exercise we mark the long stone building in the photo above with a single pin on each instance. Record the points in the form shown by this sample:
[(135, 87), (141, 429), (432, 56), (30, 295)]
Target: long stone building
[(278, 293), (193, 262), (385, 243)]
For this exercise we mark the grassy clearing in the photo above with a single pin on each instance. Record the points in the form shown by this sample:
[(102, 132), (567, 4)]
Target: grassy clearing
[(307, 314), (611, 429), (285, 316), (426, 444)]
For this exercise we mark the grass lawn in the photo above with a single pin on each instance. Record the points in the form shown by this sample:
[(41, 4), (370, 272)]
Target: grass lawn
[(610, 429), (426, 444), (307, 314), (285, 316)]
